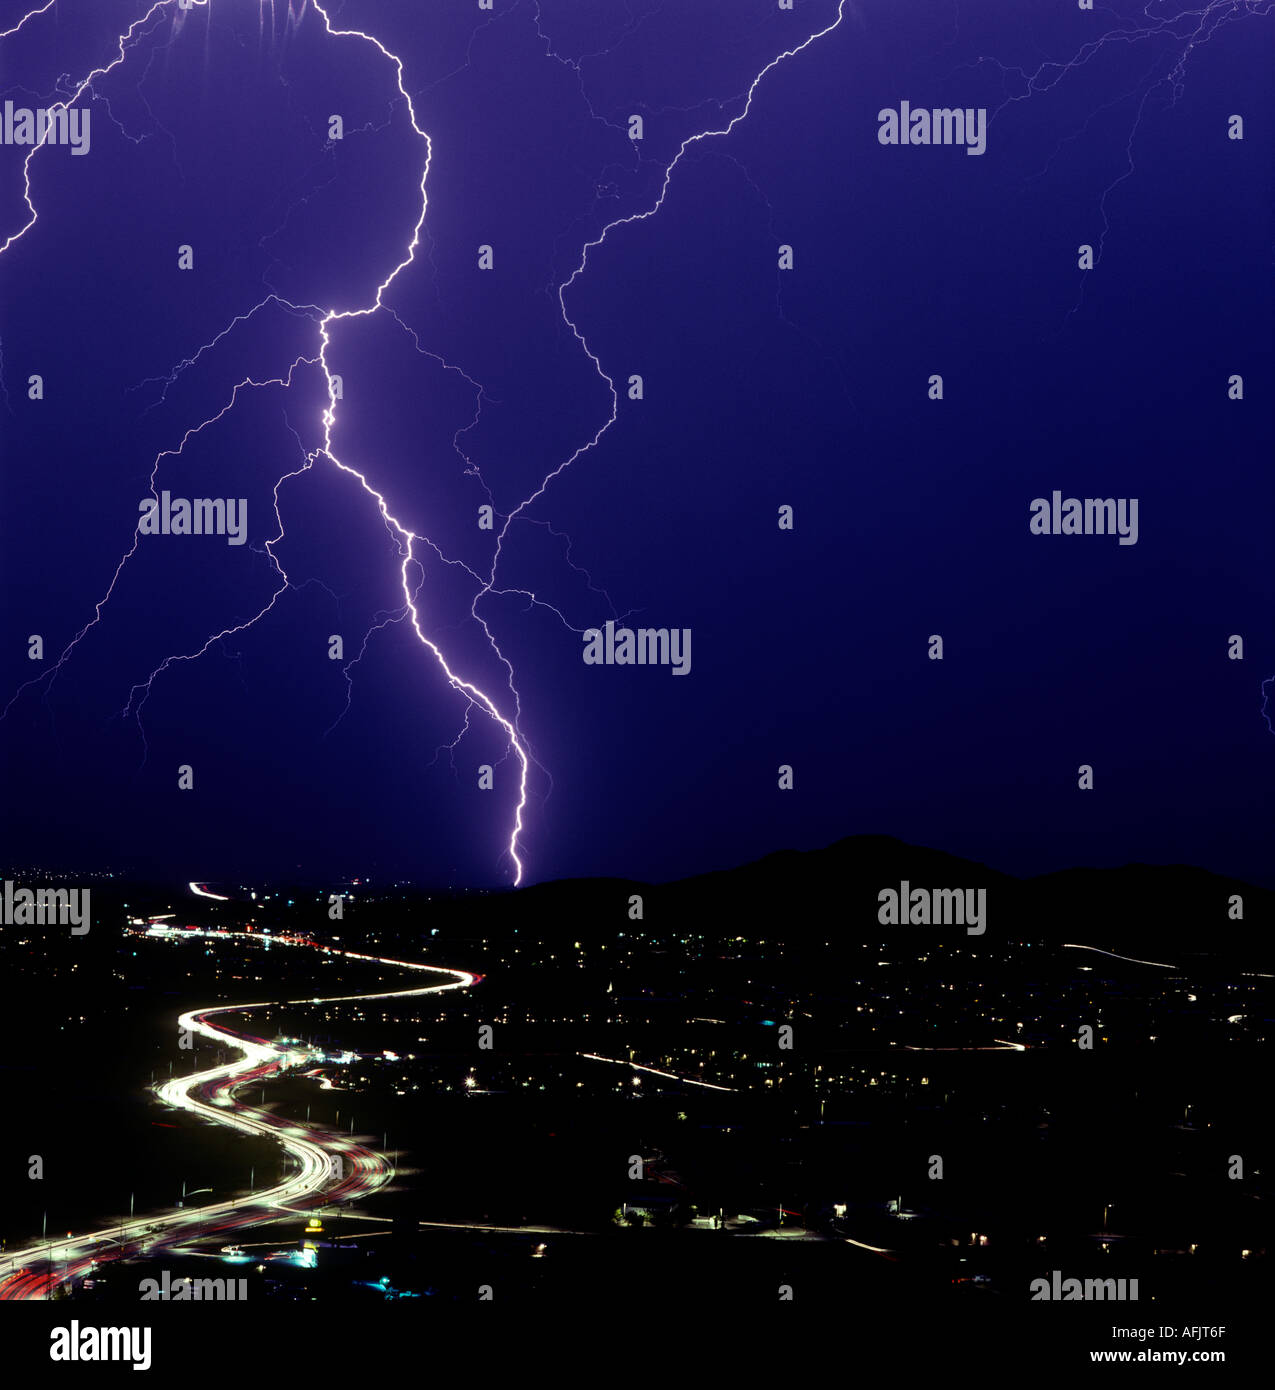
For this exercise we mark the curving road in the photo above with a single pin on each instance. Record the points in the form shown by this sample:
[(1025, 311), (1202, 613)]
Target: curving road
[(338, 1168)]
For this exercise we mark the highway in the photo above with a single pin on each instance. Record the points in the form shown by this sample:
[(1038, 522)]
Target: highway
[(329, 1167)]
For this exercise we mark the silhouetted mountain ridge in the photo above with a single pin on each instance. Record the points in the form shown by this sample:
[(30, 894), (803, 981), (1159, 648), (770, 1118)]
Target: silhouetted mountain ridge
[(791, 892)]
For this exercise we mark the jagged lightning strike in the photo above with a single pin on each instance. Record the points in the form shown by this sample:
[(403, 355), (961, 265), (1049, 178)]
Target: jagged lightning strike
[(1183, 32), (1190, 29), (597, 241), (7, 33), (405, 539)]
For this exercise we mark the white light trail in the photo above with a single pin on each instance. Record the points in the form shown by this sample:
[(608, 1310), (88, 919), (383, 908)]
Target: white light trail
[(204, 893), (672, 1075), (1072, 946), (314, 1172)]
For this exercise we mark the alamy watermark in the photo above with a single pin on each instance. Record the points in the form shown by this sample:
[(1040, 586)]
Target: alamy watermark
[(1091, 1290), (184, 1289), (941, 126), (201, 516), (1085, 516), (45, 907), (76, 1343), (645, 646), (933, 907), (19, 125)]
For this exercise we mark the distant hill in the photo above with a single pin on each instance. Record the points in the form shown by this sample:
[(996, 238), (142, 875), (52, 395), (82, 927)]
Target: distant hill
[(793, 893), (1160, 912)]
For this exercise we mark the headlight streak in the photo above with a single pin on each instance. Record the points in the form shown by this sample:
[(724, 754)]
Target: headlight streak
[(259, 1060)]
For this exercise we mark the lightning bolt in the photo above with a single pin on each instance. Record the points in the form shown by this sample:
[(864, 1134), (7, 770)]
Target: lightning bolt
[(140, 692), (49, 677), (408, 539), (408, 542), (632, 220), (1184, 32), (123, 43), (1189, 30), (8, 33)]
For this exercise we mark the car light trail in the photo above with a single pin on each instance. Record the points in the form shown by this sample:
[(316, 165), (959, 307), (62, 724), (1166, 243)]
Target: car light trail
[(206, 1094), (1072, 946), (672, 1075), (201, 892)]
